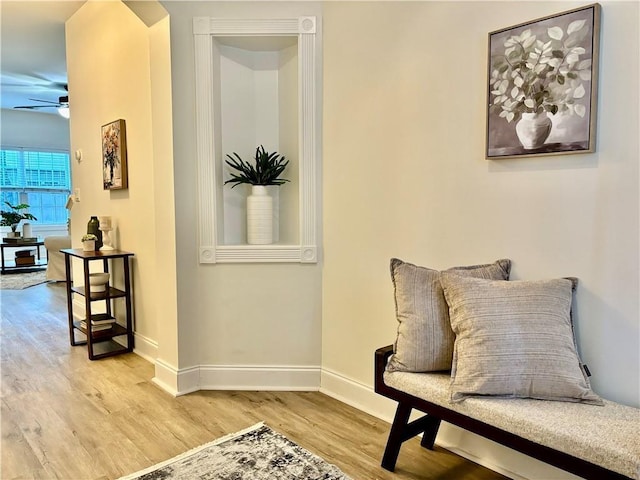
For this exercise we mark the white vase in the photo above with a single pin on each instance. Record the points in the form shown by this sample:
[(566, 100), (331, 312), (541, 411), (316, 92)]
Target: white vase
[(89, 246), (259, 216), (533, 129)]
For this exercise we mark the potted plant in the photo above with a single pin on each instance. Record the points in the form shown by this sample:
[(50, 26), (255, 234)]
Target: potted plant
[(11, 218), (89, 242), (537, 75), (265, 171)]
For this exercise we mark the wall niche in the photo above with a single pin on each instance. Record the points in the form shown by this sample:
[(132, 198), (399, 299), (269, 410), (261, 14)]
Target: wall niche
[(256, 85)]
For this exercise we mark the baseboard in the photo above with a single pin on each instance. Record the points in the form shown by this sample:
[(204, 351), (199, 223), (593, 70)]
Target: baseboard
[(166, 377), (356, 394), (236, 377), (260, 377), (477, 449), (145, 347)]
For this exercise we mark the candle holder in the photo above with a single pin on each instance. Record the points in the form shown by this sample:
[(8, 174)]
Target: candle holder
[(105, 228)]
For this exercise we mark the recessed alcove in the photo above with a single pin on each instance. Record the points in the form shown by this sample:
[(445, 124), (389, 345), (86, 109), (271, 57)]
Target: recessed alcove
[(256, 85), (258, 106)]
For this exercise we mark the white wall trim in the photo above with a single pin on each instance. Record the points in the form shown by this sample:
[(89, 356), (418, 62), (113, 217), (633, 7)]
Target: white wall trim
[(176, 381), (145, 347), (356, 394), (166, 377), (260, 377), (466, 444), (210, 249), (236, 377)]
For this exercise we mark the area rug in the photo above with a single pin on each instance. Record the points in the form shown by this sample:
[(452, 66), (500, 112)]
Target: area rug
[(19, 281), (257, 453)]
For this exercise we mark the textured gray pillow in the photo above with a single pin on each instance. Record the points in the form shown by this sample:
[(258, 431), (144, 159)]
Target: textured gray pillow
[(514, 339), (424, 342)]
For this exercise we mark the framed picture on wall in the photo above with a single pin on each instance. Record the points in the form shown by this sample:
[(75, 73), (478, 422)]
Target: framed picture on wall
[(542, 86), (114, 155)]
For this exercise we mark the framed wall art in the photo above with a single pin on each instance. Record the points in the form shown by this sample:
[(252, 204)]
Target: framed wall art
[(114, 156), (542, 86)]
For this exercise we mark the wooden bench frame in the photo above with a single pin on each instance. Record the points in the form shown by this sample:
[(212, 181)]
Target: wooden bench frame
[(403, 430)]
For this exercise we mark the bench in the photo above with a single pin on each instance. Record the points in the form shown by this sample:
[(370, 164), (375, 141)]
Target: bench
[(593, 442)]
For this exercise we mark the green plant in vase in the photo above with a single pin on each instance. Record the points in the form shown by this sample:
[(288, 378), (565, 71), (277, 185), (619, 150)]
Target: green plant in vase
[(89, 242), (265, 171), (11, 218)]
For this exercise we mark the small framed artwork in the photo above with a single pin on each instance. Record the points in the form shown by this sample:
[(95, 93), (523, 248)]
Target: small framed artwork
[(114, 155), (542, 86)]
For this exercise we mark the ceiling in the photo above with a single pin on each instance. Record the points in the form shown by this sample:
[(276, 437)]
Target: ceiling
[(32, 51)]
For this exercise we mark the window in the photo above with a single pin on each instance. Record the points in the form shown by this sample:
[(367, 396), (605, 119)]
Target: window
[(42, 179)]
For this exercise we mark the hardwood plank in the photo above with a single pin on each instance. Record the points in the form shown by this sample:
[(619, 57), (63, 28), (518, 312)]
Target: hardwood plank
[(66, 417), (17, 455)]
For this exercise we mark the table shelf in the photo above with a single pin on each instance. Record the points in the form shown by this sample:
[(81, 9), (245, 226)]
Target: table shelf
[(116, 330), (111, 293)]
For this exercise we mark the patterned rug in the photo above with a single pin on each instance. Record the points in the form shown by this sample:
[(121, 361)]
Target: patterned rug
[(257, 453), (19, 281)]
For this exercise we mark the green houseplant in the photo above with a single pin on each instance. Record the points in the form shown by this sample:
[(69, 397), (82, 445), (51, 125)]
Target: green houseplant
[(11, 218), (265, 171), (89, 242)]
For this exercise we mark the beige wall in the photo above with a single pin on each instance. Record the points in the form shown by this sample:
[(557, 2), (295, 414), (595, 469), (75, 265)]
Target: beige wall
[(111, 55), (165, 213), (405, 176)]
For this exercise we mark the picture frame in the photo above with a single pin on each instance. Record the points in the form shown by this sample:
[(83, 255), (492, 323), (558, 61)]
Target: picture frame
[(114, 155), (542, 79)]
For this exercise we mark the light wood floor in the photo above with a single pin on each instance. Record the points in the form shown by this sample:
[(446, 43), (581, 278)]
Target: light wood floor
[(65, 417)]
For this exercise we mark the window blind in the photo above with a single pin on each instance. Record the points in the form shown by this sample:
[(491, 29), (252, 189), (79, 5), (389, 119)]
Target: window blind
[(39, 178)]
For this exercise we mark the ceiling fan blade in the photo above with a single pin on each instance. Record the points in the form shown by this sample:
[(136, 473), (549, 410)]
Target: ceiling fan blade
[(32, 107), (55, 82), (44, 101)]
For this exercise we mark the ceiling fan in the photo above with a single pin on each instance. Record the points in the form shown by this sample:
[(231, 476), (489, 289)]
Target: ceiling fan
[(62, 102), (62, 105)]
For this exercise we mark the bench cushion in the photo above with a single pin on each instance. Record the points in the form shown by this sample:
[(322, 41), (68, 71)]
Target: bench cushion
[(606, 435)]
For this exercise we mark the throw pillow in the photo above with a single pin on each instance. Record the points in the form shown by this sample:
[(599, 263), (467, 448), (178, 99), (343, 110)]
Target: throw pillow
[(514, 339), (424, 341)]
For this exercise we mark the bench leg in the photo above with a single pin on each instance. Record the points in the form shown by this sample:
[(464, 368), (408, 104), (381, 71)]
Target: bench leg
[(403, 430), (396, 437), (430, 432)]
